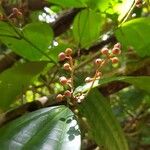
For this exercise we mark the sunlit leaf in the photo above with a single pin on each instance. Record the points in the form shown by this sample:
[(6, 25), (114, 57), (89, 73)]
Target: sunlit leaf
[(86, 27), (69, 3), (135, 34)]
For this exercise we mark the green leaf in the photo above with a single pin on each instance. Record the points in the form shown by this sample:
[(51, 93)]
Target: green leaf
[(142, 82), (45, 129), (31, 42), (104, 128), (86, 27), (15, 80), (135, 33), (99, 4), (69, 3)]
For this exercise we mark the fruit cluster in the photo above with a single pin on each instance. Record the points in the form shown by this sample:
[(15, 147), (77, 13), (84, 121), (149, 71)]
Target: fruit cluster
[(68, 66), (110, 55)]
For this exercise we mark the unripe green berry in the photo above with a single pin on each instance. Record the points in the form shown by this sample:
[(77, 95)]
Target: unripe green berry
[(62, 56)]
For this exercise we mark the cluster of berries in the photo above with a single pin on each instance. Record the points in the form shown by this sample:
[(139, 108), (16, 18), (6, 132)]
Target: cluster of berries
[(110, 56), (68, 66)]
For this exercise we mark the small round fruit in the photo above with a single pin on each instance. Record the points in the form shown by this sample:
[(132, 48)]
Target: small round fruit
[(67, 93), (115, 60), (117, 45), (62, 56), (116, 51), (98, 61), (68, 51), (63, 80), (66, 66), (105, 51), (59, 97)]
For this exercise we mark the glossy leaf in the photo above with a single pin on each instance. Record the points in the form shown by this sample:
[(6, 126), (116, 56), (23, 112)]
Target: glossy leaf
[(31, 42), (135, 34), (45, 129), (136, 81), (69, 3), (104, 128), (15, 80), (86, 27)]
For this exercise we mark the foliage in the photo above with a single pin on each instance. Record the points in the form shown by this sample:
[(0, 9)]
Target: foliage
[(52, 95)]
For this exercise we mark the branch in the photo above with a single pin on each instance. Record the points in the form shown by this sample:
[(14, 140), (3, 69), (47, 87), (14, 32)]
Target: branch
[(29, 107), (7, 60), (64, 21)]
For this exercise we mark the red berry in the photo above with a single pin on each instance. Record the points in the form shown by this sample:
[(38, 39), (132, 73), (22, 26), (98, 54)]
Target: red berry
[(115, 60), (105, 51), (59, 97), (98, 61), (68, 51), (66, 66), (62, 56), (63, 80), (117, 45), (116, 51), (67, 93)]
